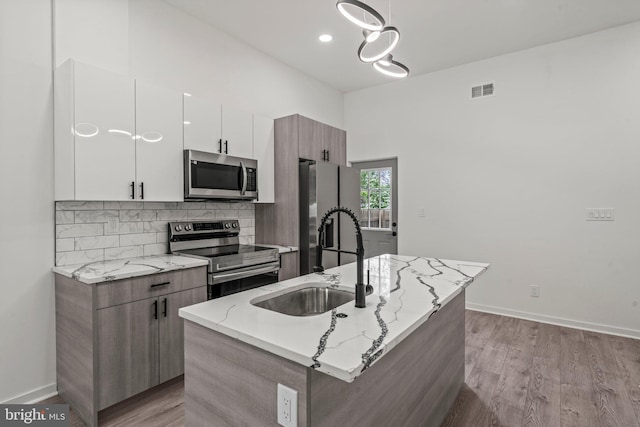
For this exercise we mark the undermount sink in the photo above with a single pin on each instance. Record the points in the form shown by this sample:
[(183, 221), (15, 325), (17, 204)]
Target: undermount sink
[(310, 300)]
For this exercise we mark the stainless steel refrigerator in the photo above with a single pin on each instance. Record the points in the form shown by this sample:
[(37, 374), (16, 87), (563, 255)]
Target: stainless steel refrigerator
[(322, 187)]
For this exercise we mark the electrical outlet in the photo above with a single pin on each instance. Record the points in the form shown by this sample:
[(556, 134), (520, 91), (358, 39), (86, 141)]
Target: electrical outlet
[(535, 291), (287, 406), (421, 213)]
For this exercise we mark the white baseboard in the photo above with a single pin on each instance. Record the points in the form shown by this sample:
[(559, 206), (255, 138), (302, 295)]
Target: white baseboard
[(34, 396), (575, 324)]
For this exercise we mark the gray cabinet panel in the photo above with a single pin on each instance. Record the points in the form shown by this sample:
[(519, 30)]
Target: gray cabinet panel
[(127, 351), (289, 266), (171, 331)]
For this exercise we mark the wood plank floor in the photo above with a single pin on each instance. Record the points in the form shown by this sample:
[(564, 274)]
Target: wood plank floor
[(517, 373)]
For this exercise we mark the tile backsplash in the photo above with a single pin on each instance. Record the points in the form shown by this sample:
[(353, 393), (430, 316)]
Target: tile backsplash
[(97, 231)]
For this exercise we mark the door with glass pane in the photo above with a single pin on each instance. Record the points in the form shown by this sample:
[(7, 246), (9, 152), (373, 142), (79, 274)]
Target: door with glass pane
[(378, 214)]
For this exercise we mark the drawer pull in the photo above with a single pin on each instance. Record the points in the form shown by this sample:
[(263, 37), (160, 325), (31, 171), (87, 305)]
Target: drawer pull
[(160, 284)]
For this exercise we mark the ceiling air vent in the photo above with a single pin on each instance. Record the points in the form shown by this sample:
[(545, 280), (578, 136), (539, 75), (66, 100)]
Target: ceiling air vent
[(479, 91)]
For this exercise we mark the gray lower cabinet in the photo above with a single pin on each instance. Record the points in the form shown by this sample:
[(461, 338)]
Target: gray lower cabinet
[(127, 351), (116, 339), (289, 266)]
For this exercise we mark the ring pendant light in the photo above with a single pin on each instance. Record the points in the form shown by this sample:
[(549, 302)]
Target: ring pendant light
[(345, 7), (382, 60), (394, 35), (391, 68)]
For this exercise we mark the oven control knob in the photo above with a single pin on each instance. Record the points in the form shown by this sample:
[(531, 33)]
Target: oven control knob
[(227, 225), (234, 225), (178, 227), (187, 227)]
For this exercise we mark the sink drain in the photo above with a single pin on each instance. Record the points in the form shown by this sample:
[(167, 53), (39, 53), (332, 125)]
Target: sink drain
[(341, 315)]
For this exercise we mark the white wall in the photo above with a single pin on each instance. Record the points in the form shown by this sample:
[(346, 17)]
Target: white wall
[(27, 337), (152, 40), (506, 179)]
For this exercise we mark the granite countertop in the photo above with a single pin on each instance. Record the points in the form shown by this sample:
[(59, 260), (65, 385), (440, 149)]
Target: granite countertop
[(103, 271), (407, 291), (281, 249)]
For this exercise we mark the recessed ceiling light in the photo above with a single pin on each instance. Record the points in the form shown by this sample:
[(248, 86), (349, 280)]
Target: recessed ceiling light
[(325, 38)]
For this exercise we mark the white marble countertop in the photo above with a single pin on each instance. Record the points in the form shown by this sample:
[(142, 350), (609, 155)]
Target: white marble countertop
[(407, 290), (281, 249), (103, 271)]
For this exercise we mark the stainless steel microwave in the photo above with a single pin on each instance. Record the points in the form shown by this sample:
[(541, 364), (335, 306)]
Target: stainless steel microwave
[(219, 176)]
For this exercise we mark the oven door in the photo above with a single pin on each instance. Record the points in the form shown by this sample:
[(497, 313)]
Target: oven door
[(218, 176), (232, 281)]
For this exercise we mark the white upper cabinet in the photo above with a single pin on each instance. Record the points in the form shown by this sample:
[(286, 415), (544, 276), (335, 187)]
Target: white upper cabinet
[(215, 128), (159, 145), (119, 139), (202, 124), (113, 141), (263, 152), (237, 132), (96, 158)]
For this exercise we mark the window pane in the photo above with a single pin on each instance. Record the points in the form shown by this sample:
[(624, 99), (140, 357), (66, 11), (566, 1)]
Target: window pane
[(364, 199), (364, 218), (364, 179), (374, 199), (386, 219), (374, 218), (385, 177), (385, 198)]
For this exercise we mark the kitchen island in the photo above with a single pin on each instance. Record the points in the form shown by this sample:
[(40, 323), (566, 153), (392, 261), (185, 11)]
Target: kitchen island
[(398, 361)]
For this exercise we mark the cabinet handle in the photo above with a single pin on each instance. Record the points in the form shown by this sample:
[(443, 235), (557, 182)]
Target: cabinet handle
[(133, 189), (142, 190), (324, 154), (226, 143), (327, 155), (164, 307), (220, 145), (160, 284), (155, 309)]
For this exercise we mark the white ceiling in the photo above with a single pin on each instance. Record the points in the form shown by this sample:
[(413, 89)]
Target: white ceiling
[(435, 34)]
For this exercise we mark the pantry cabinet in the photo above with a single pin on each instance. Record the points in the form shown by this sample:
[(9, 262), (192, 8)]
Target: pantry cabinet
[(321, 142), (296, 137), (115, 138), (116, 339)]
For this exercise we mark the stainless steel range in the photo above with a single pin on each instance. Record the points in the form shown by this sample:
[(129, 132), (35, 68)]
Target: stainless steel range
[(232, 267)]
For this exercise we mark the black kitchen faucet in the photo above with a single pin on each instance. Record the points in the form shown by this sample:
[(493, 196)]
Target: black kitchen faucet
[(361, 290)]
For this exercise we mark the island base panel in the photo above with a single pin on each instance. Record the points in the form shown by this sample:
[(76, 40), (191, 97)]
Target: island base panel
[(231, 383), (414, 385)]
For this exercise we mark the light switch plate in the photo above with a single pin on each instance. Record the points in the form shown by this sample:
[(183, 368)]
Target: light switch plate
[(600, 214)]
